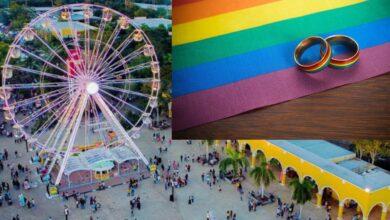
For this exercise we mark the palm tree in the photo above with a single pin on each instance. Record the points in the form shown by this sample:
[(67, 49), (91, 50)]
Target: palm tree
[(302, 192), (262, 174), (235, 160)]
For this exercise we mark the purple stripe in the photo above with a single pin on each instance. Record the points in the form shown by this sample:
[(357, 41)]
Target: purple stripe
[(231, 99)]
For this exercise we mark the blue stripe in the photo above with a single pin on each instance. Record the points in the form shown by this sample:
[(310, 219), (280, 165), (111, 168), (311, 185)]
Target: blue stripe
[(266, 60)]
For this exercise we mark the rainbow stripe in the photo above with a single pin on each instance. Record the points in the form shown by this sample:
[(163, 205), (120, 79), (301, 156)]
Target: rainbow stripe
[(230, 58), (344, 62)]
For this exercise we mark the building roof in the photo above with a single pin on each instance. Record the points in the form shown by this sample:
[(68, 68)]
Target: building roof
[(122, 154), (77, 26), (154, 6), (45, 9), (322, 153), (151, 22), (324, 149)]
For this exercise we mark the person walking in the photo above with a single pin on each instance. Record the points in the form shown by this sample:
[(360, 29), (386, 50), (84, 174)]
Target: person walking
[(5, 154), (66, 212)]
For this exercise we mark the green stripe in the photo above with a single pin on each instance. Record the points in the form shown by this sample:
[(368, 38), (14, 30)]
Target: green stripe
[(195, 53)]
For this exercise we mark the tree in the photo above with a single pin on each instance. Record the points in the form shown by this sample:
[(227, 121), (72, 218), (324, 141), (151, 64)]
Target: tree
[(371, 147), (4, 17), (140, 13), (3, 51), (385, 149), (360, 148), (262, 174), (235, 160), (58, 2), (302, 192), (19, 15)]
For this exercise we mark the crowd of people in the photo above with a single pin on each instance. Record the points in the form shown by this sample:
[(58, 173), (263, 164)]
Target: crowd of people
[(4, 131), (16, 171), (24, 201), (210, 178), (173, 174), (81, 201), (230, 215), (135, 203), (20, 176), (286, 210)]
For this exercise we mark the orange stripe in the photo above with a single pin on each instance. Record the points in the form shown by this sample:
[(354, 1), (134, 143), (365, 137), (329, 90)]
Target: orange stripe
[(206, 8), (183, 2)]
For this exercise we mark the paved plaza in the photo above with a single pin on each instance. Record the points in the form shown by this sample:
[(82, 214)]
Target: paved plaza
[(155, 202)]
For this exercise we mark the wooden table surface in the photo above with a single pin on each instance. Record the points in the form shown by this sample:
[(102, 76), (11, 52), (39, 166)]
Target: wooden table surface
[(355, 111)]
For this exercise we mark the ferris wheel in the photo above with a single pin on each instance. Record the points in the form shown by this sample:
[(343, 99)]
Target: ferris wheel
[(75, 74)]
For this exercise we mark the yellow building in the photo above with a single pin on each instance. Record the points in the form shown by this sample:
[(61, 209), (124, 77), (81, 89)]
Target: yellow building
[(333, 169)]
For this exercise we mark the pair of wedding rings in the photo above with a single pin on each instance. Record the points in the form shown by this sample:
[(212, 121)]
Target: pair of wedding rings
[(326, 53)]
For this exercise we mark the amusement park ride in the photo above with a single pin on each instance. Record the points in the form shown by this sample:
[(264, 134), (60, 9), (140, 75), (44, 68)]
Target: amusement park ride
[(87, 76)]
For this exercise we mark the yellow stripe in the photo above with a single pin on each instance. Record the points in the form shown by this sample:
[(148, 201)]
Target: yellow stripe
[(251, 17)]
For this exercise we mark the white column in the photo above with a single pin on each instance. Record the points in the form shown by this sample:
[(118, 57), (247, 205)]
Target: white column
[(253, 159), (340, 211)]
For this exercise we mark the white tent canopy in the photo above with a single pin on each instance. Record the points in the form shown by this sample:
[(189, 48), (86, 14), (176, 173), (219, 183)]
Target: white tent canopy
[(89, 159)]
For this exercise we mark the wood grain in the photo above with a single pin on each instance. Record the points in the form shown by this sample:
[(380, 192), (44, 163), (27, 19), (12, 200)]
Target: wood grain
[(359, 110)]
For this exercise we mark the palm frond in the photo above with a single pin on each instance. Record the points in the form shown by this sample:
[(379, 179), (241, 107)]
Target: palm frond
[(302, 191), (262, 174), (225, 163)]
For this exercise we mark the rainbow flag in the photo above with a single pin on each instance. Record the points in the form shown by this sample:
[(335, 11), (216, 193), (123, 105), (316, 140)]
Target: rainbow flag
[(232, 56)]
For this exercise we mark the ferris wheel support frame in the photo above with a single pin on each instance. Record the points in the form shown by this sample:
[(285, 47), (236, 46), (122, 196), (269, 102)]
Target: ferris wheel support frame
[(57, 132), (117, 126), (68, 110), (77, 121)]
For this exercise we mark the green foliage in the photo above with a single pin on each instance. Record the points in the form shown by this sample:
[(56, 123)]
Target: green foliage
[(235, 160), (274, 163), (385, 150), (372, 148), (4, 16), (38, 123), (58, 2), (262, 174), (3, 51), (302, 191), (162, 43), (140, 13), (210, 142), (19, 15)]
